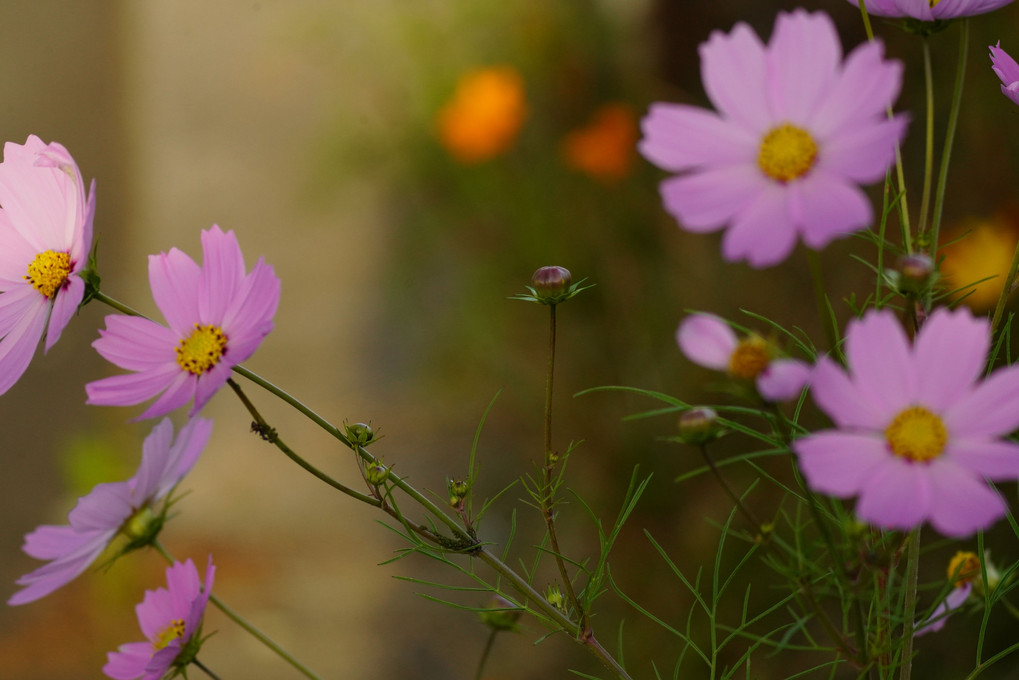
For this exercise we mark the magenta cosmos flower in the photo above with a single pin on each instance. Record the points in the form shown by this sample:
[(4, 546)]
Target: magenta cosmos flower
[(1008, 71), (708, 341), (171, 620), (110, 508), (918, 431), (929, 10), (796, 131), (217, 316), (45, 232)]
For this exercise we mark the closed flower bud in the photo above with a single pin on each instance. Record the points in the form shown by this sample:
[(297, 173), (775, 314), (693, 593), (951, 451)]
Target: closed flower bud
[(457, 491), (554, 596), (375, 473), (501, 614), (551, 281), (698, 426), (360, 434)]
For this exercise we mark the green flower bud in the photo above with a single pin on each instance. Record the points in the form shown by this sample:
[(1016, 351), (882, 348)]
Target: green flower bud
[(501, 614), (698, 426), (457, 491), (554, 596), (360, 434), (375, 473)]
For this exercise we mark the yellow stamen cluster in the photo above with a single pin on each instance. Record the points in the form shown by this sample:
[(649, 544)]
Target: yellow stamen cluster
[(168, 634), (963, 568), (934, 3), (917, 434), (201, 350), (48, 272), (787, 153), (750, 357)]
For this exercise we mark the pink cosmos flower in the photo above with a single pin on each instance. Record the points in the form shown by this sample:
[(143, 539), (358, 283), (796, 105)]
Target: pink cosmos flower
[(929, 10), (917, 430), (797, 130), (708, 341), (939, 617), (171, 620), (217, 316), (1008, 71), (45, 233), (109, 508)]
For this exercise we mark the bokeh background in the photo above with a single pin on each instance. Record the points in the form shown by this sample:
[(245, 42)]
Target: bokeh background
[(342, 141)]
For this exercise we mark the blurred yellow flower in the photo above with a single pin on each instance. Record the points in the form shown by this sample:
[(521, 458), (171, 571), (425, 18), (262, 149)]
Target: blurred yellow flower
[(985, 251), (604, 148), (484, 115)]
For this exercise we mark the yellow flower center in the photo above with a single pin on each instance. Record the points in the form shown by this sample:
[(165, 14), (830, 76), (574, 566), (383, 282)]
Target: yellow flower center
[(917, 434), (934, 3), (168, 634), (963, 568), (201, 350), (750, 357), (787, 153), (48, 272)]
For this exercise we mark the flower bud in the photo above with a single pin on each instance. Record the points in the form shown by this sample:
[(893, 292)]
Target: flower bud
[(360, 434), (698, 426), (375, 473), (554, 596), (914, 276), (501, 614), (457, 492), (551, 281)]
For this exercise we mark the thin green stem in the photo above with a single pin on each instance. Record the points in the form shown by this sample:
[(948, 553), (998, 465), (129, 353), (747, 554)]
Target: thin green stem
[(747, 513), (866, 21), (548, 492), (909, 607), (243, 623), (820, 298), (489, 643), (205, 669), (946, 152), (928, 147), (999, 309)]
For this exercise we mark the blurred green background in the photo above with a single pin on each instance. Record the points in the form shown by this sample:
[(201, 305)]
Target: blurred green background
[(311, 129)]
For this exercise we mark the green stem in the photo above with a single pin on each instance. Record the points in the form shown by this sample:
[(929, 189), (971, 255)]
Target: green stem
[(928, 162), (205, 669), (757, 526), (548, 492), (485, 652), (240, 621), (909, 608), (946, 152), (820, 299), (999, 309)]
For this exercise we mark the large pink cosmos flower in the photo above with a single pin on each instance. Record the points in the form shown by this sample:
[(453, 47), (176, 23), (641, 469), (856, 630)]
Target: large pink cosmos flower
[(108, 509), (796, 131), (918, 431), (217, 317), (708, 341), (45, 233), (1008, 71), (929, 10), (171, 620)]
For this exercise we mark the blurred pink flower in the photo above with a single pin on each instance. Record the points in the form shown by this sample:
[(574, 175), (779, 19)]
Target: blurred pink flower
[(708, 341), (936, 621), (45, 233), (917, 430), (217, 316), (1008, 71), (171, 619), (108, 508), (929, 10), (797, 130)]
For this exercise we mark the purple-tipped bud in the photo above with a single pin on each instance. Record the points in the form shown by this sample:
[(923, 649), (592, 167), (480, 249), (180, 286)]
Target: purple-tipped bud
[(698, 426), (375, 473), (551, 281), (916, 268)]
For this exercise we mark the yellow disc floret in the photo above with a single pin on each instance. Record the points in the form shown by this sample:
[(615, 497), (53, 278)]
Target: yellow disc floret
[(750, 357), (934, 3), (963, 568), (201, 350), (49, 271), (787, 153), (917, 434), (169, 634)]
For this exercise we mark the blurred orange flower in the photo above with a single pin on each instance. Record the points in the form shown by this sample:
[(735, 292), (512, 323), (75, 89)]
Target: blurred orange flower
[(484, 115), (604, 148), (981, 248)]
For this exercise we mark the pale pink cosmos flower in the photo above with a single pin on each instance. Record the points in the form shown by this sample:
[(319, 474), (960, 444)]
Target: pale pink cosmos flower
[(709, 341), (171, 620), (797, 130), (217, 316), (930, 10), (45, 234), (108, 508), (1008, 71), (917, 431)]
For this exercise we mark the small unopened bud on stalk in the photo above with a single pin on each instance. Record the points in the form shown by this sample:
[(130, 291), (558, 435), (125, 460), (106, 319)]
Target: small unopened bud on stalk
[(360, 434), (554, 596), (457, 492), (915, 275), (551, 281), (375, 473), (698, 426)]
